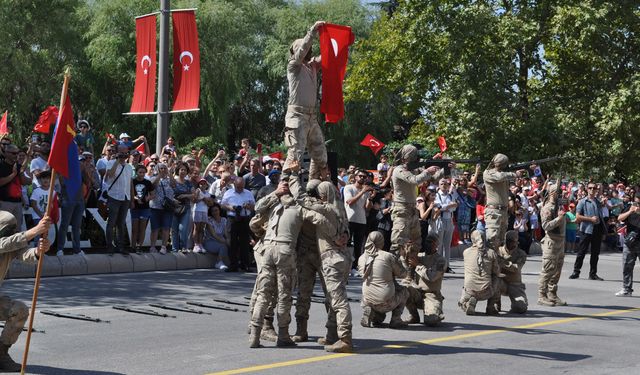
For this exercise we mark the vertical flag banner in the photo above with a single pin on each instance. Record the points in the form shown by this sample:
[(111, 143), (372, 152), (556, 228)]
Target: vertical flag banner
[(442, 144), (374, 144), (64, 151), (3, 124), (146, 67), (186, 61), (334, 50), (47, 117)]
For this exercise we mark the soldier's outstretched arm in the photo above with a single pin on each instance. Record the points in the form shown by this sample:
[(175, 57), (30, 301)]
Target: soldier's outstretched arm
[(301, 51)]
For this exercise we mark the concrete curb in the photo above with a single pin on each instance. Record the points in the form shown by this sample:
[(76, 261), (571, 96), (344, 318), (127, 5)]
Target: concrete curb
[(73, 265)]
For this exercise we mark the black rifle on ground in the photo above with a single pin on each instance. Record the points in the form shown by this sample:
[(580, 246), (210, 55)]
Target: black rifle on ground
[(222, 300), (26, 329), (142, 311), (179, 308), (73, 316), (217, 307)]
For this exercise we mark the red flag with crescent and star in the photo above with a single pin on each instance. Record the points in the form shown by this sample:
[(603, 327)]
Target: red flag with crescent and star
[(3, 124), (374, 144), (47, 117), (442, 144), (64, 151), (144, 93), (186, 61), (334, 50)]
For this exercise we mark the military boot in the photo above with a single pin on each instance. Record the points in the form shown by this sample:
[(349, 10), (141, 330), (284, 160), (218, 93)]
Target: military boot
[(332, 336), (284, 340), (544, 301), (268, 332), (553, 297), (343, 345), (254, 337), (366, 317), (396, 318), (7, 364), (414, 316), (301, 331)]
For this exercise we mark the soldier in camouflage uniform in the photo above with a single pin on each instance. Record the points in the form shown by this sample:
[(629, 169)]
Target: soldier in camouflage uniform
[(481, 272), (554, 224), (511, 259), (425, 287), (15, 246)]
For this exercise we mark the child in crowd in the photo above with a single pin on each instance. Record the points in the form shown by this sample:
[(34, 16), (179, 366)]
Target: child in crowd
[(200, 214), (39, 198), (169, 149)]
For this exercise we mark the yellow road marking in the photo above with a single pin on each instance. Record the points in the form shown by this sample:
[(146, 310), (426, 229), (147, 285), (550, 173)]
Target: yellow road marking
[(463, 336)]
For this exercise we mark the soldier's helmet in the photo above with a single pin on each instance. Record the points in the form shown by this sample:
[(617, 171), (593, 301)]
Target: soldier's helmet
[(500, 161), (408, 153), (294, 46), (478, 239), (552, 194), (511, 236), (8, 224)]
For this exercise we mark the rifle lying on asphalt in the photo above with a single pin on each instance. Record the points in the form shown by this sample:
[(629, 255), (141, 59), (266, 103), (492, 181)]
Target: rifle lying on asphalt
[(73, 316), (26, 329), (179, 308), (350, 299), (222, 300), (142, 311), (441, 163), (217, 307)]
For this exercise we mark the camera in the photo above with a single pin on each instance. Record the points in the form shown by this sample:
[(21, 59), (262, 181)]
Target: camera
[(237, 209)]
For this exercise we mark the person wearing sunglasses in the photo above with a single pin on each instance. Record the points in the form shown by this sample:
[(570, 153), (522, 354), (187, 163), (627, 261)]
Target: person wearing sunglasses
[(592, 228)]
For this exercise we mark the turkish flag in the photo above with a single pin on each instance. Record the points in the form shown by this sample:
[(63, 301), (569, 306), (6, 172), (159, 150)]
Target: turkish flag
[(442, 143), (141, 149), (3, 124), (144, 92), (374, 144), (334, 50), (64, 151), (186, 61), (277, 155), (47, 117)]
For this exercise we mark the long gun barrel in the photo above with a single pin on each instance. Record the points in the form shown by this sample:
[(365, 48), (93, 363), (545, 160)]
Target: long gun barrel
[(527, 164), (441, 163)]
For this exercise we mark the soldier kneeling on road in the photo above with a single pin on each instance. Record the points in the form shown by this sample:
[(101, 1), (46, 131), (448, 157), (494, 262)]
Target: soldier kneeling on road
[(14, 246), (511, 259), (426, 283), (481, 273), (381, 292)]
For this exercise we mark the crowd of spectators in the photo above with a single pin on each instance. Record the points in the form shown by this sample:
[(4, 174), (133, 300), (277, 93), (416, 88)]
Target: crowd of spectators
[(195, 207)]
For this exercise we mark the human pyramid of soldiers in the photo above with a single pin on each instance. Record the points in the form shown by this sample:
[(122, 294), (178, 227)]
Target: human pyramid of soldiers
[(303, 232)]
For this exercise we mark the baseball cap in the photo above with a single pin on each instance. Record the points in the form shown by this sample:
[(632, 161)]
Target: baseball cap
[(272, 172), (124, 135)]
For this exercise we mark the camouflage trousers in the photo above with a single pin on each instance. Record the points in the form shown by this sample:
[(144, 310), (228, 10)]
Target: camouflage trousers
[(515, 292), (550, 273), (15, 314), (336, 265), (429, 302), (309, 265), (406, 228), (258, 254), (395, 304), (276, 277), (470, 298), (303, 132), (496, 222)]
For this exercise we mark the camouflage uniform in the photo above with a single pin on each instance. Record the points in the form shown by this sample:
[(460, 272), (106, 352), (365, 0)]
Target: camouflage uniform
[(404, 214), (495, 215), (552, 251), (258, 226), (380, 291), (301, 124), (425, 289), (511, 263), (277, 275), (14, 313), (481, 271), (331, 223)]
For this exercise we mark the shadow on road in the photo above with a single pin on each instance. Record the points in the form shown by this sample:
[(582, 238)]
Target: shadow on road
[(48, 370)]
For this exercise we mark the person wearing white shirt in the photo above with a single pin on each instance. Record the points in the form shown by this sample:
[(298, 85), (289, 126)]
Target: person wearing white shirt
[(239, 203), (447, 204), (117, 184)]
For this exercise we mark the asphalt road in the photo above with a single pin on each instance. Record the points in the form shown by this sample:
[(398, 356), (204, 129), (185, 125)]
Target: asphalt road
[(597, 333)]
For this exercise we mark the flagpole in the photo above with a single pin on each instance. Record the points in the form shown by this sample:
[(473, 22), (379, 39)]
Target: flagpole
[(162, 124), (34, 299)]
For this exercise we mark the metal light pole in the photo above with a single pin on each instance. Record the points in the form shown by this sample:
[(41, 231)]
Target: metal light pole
[(163, 77)]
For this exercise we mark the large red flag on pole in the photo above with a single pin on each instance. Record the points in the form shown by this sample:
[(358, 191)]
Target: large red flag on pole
[(334, 50), (3, 124), (145, 89), (186, 61)]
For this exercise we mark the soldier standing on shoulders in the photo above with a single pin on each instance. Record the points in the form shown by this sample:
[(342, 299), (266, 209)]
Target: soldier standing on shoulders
[(14, 246), (496, 182)]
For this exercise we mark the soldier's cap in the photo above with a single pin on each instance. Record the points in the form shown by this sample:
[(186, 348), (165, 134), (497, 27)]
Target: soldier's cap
[(511, 235), (8, 224), (294, 46)]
